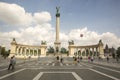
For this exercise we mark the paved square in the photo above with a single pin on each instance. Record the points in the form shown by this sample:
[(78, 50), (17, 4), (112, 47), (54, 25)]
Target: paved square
[(52, 70), (57, 75)]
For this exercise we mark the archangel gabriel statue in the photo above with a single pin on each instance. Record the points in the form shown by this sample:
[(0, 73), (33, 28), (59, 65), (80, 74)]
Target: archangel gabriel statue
[(57, 8)]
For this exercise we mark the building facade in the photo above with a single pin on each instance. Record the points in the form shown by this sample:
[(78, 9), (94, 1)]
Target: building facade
[(25, 51), (85, 51)]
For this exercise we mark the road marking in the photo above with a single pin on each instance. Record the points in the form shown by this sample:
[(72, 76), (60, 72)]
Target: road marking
[(11, 73), (73, 73), (56, 68), (57, 72), (86, 65), (76, 76), (53, 64), (20, 65), (3, 69), (47, 64), (61, 64), (38, 76), (107, 68), (114, 78), (79, 64), (67, 64)]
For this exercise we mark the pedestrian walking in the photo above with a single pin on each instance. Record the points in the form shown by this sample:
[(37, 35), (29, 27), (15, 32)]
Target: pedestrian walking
[(57, 57), (61, 60), (92, 58), (89, 58), (117, 59), (107, 59), (75, 61), (81, 58), (78, 60), (12, 63)]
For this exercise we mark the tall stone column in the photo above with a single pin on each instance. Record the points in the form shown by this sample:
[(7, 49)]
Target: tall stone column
[(57, 41)]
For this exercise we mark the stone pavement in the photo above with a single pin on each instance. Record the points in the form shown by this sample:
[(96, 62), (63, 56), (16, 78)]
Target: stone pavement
[(51, 69), (111, 62), (4, 62)]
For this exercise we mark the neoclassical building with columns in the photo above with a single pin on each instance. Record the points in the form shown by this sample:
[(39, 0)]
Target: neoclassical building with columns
[(25, 51), (96, 50)]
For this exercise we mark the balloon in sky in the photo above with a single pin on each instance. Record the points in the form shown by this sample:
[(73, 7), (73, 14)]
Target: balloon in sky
[(81, 35)]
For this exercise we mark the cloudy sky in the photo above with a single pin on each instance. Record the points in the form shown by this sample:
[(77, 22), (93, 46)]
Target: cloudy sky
[(31, 21)]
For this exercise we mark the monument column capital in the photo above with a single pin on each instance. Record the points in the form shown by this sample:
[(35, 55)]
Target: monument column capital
[(57, 12)]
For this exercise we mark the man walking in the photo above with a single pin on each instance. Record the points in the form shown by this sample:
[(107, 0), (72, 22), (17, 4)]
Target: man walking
[(12, 63)]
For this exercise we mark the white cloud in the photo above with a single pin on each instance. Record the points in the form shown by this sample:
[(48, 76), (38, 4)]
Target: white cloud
[(92, 37), (12, 34), (88, 36), (14, 14), (42, 17), (111, 39), (34, 36), (37, 33)]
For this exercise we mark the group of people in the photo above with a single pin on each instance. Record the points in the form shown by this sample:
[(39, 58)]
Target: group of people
[(12, 63), (90, 59), (61, 59), (77, 59)]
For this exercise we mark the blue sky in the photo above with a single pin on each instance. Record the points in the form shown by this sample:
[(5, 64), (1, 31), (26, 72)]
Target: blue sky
[(100, 16)]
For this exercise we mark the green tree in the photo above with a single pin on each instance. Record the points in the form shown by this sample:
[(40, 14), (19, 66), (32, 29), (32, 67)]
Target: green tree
[(50, 50), (0, 49), (63, 50), (5, 53)]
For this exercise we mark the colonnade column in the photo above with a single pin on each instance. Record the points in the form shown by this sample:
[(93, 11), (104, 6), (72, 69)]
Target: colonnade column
[(29, 51), (37, 51), (81, 52), (85, 53), (17, 52), (21, 50), (92, 51), (25, 52), (88, 51)]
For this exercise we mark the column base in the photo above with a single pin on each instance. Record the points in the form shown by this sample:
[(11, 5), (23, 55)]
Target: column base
[(43, 55), (102, 56), (71, 55)]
